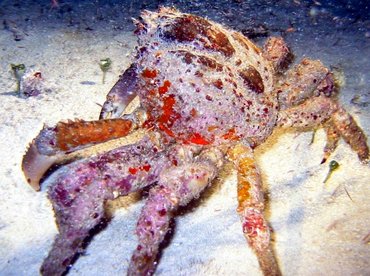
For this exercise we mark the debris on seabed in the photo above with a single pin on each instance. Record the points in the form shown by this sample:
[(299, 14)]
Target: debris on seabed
[(33, 84)]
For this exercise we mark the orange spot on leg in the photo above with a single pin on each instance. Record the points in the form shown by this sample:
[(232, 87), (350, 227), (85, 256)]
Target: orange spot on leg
[(243, 192)]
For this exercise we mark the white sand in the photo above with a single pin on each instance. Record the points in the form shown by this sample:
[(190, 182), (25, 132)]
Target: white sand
[(319, 229)]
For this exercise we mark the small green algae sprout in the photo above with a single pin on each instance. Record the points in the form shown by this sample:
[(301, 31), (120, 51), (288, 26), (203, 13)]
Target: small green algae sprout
[(105, 65), (333, 165), (18, 71)]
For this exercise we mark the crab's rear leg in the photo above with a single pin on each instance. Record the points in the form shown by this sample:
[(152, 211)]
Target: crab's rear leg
[(250, 208), (306, 98), (332, 139), (320, 110), (79, 190), (309, 78), (177, 186)]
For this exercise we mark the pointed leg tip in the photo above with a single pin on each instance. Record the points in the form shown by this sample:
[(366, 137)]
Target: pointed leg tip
[(364, 157), (323, 160), (365, 161)]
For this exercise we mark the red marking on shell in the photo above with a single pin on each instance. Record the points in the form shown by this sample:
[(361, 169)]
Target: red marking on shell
[(168, 103), (218, 83), (230, 135), (166, 130), (162, 212), (169, 116), (150, 74), (132, 170), (164, 89), (252, 79), (198, 139), (190, 58), (189, 28), (146, 167)]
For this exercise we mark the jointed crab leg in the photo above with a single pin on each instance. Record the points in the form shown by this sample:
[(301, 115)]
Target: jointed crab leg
[(306, 101), (308, 78), (318, 110), (79, 190), (250, 208), (278, 53), (176, 187), (351, 133), (332, 139), (121, 94), (52, 143)]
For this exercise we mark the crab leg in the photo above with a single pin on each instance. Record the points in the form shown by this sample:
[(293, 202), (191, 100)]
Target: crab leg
[(316, 111), (177, 186), (306, 102), (52, 143), (278, 53), (250, 208), (79, 190), (309, 78), (332, 139), (351, 133), (121, 94)]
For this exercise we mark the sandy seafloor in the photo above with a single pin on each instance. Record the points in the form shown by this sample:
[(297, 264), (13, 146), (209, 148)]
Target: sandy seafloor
[(318, 229)]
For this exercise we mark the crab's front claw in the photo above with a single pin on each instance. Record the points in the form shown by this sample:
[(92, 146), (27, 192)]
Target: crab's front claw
[(121, 94), (35, 164), (54, 143)]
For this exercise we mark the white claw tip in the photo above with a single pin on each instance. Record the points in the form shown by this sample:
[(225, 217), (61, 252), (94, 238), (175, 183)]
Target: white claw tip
[(34, 165)]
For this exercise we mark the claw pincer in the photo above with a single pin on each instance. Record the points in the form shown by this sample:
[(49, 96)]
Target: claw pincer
[(35, 164), (53, 143)]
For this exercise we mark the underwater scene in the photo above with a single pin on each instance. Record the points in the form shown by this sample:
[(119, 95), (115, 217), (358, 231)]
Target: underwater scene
[(184, 137)]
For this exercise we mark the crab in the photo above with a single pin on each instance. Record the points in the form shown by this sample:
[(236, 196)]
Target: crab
[(208, 96)]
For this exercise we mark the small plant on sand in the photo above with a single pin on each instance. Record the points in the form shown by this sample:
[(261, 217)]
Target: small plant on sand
[(105, 65), (333, 165), (18, 71)]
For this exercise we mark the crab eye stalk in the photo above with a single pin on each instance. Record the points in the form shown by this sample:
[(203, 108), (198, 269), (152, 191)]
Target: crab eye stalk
[(18, 71), (105, 65)]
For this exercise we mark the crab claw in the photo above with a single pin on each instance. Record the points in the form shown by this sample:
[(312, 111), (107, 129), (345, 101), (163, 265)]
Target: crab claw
[(121, 94), (35, 164), (54, 144)]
